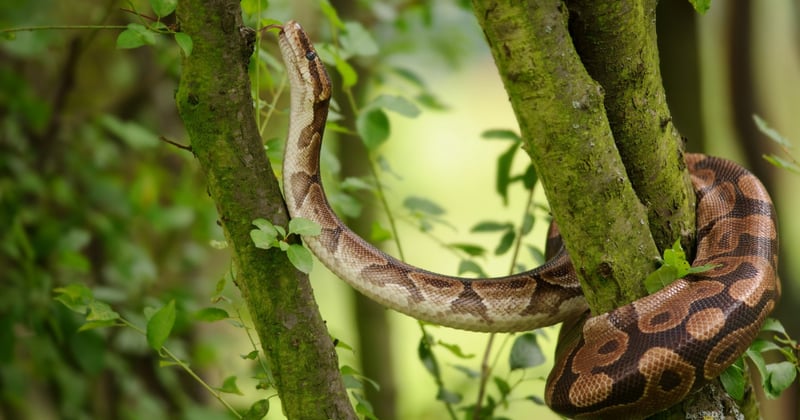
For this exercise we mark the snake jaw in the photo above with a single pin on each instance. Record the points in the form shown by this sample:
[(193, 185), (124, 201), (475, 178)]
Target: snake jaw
[(307, 68)]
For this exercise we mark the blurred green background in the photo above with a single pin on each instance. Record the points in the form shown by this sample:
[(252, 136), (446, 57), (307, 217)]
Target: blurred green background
[(89, 194)]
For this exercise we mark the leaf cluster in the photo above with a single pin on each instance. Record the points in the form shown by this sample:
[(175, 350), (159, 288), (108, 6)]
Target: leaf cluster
[(144, 33), (674, 266), (776, 376), (269, 236)]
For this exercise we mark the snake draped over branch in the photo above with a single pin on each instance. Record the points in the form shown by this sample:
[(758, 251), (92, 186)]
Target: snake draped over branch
[(633, 361)]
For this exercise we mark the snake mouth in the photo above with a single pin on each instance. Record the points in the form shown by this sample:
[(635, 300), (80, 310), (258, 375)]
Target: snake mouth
[(307, 69)]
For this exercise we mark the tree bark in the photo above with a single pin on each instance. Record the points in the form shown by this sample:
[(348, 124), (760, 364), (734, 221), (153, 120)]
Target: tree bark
[(214, 101)]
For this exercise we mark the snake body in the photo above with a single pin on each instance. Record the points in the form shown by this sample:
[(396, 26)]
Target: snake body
[(633, 361)]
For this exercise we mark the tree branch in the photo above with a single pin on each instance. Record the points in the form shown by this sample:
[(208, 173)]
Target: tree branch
[(563, 123), (214, 102), (617, 45)]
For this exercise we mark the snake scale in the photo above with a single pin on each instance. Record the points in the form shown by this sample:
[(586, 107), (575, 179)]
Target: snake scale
[(633, 361)]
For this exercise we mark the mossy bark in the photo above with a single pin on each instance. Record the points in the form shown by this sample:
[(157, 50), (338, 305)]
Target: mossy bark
[(617, 44), (214, 101), (586, 89), (564, 126)]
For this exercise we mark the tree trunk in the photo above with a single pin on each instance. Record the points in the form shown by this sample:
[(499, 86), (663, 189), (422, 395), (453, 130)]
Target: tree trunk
[(214, 101), (586, 88)]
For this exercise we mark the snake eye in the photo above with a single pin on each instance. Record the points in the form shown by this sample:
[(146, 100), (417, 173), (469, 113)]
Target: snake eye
[(311, 55)]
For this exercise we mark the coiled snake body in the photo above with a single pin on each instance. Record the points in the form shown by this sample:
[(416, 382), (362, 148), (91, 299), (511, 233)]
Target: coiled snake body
[(633, 361)]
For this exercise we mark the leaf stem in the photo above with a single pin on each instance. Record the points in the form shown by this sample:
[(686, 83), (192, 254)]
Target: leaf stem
[(187, 369)]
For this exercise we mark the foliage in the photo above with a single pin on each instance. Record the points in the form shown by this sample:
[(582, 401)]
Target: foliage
[(95, 205), (268, 235), (674, 266), (776, 376)]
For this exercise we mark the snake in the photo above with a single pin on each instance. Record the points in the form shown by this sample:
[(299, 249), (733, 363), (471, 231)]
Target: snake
[(633, 361)]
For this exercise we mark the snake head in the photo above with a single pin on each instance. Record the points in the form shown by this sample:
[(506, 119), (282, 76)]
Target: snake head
[(304, 66)]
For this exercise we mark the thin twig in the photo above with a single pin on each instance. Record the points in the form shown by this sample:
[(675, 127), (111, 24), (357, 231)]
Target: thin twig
[(187, 148)]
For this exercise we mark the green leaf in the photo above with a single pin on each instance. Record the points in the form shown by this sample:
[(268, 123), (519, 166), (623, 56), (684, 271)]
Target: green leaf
[(304, 227), (781, 163), (330, 13), (501, 134), (525, 352), (300, 257), (468, 266), (490, 226), (773, 325), (163, 7), (341, 344), (346, 370), (373, 127), (185, 43), (357, 41), (363, 407), (466, 370), (266, 236), (448, 396), (229, 386), (503, 177), (356, 184), (423, 205), (252, 7), (761, 365), (426, 356), (770, 132), (502, 386), (211, 314), (660, 278), (530, 177), (75, 296), (132, 133), (378, 233), (397, 104), (527, 223), (348, 73), (263, 239), (96, 324), (253, 355), (470, 249), (257, 410), (431, 101), (135, 36), (781, 376), (701, 6), (674, 266), (160, 325), (506, 242), (100, 312), (456, 350), (535, 399), (733, 381)]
